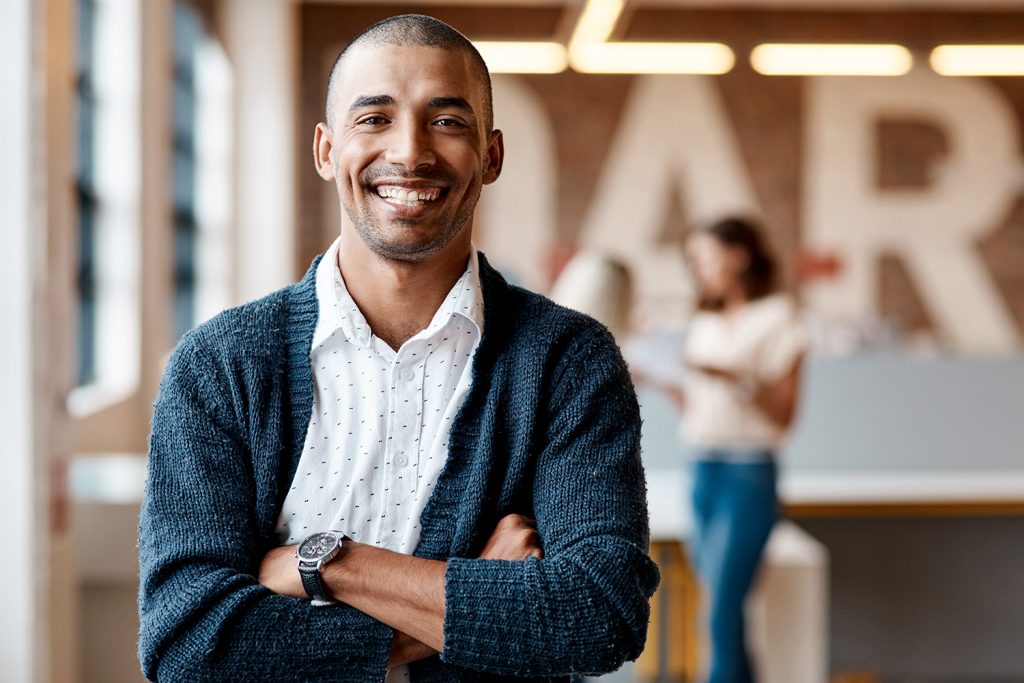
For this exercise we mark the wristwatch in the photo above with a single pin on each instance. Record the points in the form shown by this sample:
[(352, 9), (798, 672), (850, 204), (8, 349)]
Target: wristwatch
[(313, 553)]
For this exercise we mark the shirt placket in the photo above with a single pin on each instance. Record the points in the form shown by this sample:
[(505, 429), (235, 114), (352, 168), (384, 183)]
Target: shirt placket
[(401, 444)]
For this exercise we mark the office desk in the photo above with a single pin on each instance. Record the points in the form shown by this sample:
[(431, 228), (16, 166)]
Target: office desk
[(788, 609), (911, 471), (884, 433)]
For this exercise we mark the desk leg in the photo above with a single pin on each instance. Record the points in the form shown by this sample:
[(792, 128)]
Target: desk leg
[(671, 652)]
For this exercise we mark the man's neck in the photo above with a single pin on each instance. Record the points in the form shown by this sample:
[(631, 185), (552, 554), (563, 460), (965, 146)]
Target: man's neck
[(399, 299)]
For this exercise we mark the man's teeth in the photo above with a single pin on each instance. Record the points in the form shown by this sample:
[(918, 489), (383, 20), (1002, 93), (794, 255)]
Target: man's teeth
[(401, 195)]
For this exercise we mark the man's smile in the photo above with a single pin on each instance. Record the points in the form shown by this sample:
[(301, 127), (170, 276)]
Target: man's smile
[(407, 196)]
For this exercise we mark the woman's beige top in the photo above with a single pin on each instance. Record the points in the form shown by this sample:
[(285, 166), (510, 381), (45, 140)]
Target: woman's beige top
[(760, 342)]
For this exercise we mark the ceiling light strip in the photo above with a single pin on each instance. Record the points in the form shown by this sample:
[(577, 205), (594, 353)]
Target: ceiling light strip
[(596, 22), (523, 57), (793, 59), (652, 58), (978, 60)]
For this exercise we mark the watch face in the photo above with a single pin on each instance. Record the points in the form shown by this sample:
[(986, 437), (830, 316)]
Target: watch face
[(317, 546)]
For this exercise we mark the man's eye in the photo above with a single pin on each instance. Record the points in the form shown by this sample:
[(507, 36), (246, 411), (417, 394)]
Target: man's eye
[(373, 121), (449, 122)]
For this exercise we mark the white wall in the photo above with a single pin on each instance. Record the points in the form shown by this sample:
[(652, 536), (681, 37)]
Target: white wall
[(260, 39), (25, 540)]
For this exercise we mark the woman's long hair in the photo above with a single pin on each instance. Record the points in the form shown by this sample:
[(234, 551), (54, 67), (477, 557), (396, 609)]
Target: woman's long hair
[(759, 277)]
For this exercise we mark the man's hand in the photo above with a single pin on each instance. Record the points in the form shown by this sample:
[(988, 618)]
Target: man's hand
[(279, 573), (515, 538)]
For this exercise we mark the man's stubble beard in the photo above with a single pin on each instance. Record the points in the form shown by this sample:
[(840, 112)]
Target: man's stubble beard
[(415, 252)]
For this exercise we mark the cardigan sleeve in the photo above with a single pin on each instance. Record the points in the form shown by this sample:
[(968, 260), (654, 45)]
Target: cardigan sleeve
[(204, 616), (583, 608)]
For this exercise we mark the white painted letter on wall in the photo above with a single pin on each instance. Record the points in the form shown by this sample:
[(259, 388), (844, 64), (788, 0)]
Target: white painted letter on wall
[(935, 230), (517, 213), (673, 136)]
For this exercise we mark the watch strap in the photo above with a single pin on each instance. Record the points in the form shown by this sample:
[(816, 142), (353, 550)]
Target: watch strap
[(313, 584)]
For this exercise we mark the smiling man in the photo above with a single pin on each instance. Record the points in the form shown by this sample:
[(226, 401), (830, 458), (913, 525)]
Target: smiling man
[(401, 467)]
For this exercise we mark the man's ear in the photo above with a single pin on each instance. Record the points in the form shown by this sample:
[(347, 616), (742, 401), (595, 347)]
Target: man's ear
[(322, 146), (495, 157)]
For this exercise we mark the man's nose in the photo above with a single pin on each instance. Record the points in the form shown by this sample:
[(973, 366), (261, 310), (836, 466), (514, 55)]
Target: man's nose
[(409, 145)]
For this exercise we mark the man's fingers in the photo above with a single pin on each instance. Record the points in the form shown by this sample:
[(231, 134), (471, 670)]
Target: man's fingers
[(532, 543), (533, 546), (517, 520), (515, 537)]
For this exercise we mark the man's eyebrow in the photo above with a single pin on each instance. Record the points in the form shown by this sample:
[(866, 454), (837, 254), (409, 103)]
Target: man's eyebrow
[(364, 101), (451, 103)]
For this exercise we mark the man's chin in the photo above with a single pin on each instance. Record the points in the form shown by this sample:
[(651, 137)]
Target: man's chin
[(407, 250), (407, 239)]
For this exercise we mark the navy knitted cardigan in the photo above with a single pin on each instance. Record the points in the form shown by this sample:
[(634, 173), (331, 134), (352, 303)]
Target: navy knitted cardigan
[(550, 428)]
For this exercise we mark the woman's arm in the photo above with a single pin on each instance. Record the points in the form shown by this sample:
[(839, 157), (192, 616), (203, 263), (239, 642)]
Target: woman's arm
[(778, 400)]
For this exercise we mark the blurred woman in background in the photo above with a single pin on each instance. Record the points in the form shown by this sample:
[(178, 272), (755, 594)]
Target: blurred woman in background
[(744, 349), (599, 285)]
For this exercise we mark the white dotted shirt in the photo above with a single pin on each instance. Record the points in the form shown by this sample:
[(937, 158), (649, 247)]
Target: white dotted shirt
[(378, 433)]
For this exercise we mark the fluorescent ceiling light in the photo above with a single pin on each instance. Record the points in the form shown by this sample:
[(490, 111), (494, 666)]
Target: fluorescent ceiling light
[(652, 58), (589, 53), (523, 57), (597, 21), (778, 59), (978, 60)]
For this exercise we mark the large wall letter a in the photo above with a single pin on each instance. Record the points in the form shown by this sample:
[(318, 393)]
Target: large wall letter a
[(673, 135)]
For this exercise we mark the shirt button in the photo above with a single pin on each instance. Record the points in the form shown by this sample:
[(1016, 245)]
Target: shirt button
[(408, 375), (401, 461)]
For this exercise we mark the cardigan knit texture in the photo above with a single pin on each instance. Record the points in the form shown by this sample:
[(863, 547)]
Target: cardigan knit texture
[(550, 428)]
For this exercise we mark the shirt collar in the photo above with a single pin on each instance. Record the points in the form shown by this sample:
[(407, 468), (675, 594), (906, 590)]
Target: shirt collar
[(466, 298), (338, 310)]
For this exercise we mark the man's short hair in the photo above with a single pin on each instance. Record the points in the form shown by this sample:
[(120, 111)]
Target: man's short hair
[(416, 29)]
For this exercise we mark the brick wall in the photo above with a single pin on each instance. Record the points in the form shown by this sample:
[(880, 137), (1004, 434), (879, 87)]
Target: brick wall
[(764, 113)]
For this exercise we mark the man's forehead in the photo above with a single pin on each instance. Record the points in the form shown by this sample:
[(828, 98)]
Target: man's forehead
[(411, 74), (376, 66)]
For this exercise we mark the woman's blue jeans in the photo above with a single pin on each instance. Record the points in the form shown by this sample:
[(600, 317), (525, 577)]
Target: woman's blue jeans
[(735, 506)]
